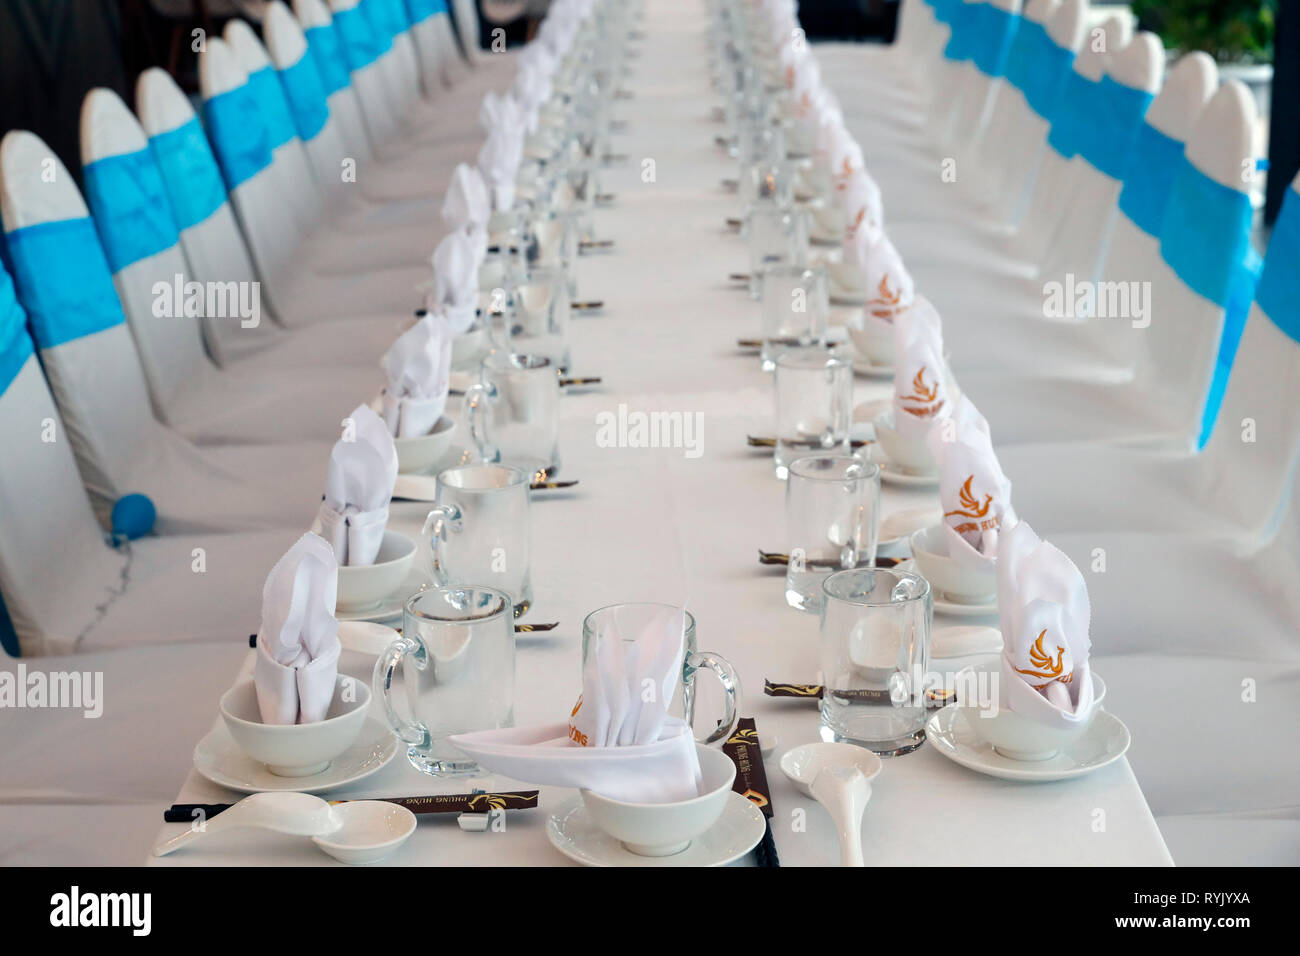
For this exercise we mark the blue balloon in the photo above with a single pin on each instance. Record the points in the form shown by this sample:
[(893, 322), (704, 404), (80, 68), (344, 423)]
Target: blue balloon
[(133, 516)]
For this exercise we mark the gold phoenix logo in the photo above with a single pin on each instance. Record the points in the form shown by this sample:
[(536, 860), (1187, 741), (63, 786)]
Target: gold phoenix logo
[(923, 394), (970, 508), (886, 297), (1042, 666), (744, 736)]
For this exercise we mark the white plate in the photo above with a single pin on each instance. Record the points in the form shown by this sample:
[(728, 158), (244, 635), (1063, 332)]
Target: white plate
[(847, 297), (863, 367), (738, 830), (891, 475), (1103, 743), (218, 758), (389, 609), (942, 605)]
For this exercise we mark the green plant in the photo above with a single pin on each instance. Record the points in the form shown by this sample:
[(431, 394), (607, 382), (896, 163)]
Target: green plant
[(1231, 31)]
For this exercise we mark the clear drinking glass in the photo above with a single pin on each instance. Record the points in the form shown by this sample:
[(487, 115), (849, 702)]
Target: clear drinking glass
[(814, 404), (776, 236), (512, 415), (832, 518), (630, 621), (457, 655), (480, 531), (875, 655), (539, 322), (796, 307)]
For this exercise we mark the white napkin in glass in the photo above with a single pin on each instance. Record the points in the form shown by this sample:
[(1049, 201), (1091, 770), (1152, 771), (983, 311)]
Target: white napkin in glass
[(859, 197), (418, 366), (358, 488), (498, 161), (466, 207), (974, 493), (1044, 612), (620, 741), (921, 387), (455, 281), (498, 110), (298, 644)]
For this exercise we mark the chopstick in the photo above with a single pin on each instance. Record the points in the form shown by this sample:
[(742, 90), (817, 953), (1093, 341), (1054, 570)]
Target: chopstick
[(592, 305), (935, 698), (776, 557), (436, 803), (758, 343), (588, 245), (552, 485), (761, 441), (590, 380)]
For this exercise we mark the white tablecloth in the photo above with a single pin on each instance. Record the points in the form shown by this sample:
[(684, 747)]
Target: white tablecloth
[(654, 525)]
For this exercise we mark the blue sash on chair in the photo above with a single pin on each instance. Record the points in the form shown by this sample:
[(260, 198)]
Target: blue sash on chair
[(1205, 239), (64, 281), (132, 212), (1278, 293), (420, 10), (238, 135), (15, 343), (1048, 67), (356, 38), (1148, 177), (327, 53), (306, 97), (994, 30), (189, 173), (276, 117), (1026, 41), (961, 42), (1120, 110), (1075, 118)]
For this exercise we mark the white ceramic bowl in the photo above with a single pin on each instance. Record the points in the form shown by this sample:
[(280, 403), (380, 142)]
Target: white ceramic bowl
[(874, 341), (296, 750), (847, 280), (911, 454), (958, 583), (364, 586), (662, 829), (1017, 737), (371, 830), (417, 456)]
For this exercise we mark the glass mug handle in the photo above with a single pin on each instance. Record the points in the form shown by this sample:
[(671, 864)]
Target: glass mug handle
[(727, 677), (441, 520), (413, 733), (477, 398)]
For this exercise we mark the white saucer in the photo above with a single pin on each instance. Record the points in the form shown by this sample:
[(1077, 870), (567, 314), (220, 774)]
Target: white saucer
[(1104, 743), (738, 830), (963, 610), (218, 758), (389, 609), (864, 367), (890, 474), (847, 297)]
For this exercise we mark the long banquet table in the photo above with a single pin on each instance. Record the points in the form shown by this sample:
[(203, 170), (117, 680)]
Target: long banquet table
[(654, 524)]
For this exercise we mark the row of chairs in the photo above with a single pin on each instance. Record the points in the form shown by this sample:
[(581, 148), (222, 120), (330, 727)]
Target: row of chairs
[(1024, 149), (307, 184)]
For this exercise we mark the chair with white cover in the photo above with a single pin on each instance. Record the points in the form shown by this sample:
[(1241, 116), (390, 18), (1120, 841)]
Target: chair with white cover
[(63, 281), (441, 63), (1126, 90), (269, 223), (346, 179), (66, 590), (1193, 294), (250, 401)]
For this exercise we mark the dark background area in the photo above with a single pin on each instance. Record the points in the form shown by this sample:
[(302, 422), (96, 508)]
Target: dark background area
[(53, 51)]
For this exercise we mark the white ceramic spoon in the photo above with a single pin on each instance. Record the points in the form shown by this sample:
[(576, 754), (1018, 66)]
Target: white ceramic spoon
[(298, 814), (844, 792), (804, 766)]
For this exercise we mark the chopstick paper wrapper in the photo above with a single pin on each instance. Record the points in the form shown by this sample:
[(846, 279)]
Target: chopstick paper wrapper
[(438, 803), (776, 557), (751, 782), (933, 698)]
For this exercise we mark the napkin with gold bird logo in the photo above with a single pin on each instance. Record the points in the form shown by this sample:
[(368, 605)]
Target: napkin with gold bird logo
[(974, 493), (888, 284), (418, 366), (1044, 611), (921, 387), (620, 741)]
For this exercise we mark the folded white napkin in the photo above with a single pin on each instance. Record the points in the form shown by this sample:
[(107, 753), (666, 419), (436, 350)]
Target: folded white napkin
[(974, 493), (418, 366), (859, 197), (298, 644), (498, 110), (498, 161), (620, 741), (921, 388), (358, 488), (466, 207), (889, 285), (1044, 611), (455, 281)]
